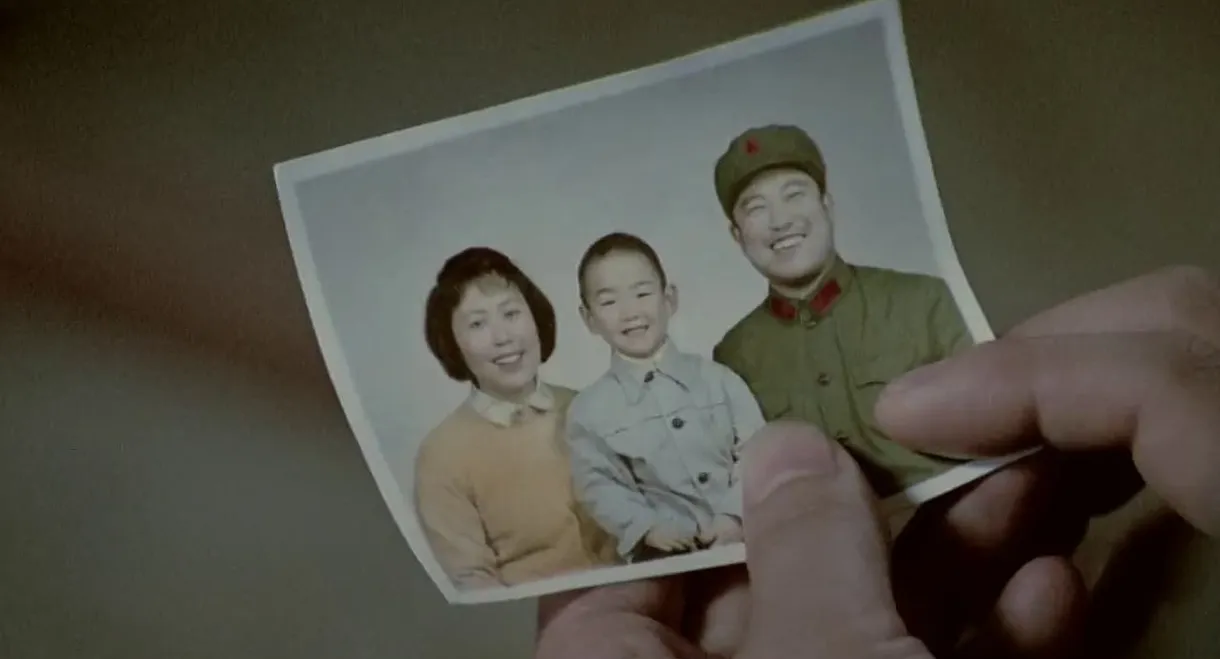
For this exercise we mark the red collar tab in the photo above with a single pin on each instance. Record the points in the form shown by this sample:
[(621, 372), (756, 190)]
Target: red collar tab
[(826, 297), (781, 308), (785, 309)]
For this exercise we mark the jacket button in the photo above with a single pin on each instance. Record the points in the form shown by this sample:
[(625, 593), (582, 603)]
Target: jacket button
[(841, 437), (677, 423), (703, 477), (648, 377), (823, 379)]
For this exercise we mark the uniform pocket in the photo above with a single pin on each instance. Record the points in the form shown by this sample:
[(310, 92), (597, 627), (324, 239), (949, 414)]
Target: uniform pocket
[(885, 367), (873, 375), (635, 442), (715, 413), (773, 399)]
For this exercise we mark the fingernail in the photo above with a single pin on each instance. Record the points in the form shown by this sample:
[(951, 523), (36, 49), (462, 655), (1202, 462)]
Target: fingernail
[(786, 453)]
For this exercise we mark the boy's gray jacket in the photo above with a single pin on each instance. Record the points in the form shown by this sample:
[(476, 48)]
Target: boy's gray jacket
[(660, 444)]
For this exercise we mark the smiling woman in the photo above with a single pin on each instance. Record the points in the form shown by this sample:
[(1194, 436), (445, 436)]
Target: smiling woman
[(493, 486)]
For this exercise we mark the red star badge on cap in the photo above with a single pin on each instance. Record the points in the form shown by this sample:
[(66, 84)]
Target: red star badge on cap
[(751, 146)]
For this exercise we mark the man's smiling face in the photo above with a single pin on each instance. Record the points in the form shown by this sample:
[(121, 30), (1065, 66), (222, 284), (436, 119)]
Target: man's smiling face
[(782, 223)]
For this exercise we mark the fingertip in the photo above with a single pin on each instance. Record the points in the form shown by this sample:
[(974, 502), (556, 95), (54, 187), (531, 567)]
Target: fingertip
[(902, 408), (815, 546), (925, 385), (915, 381), (781, 452), (1044, 599), (1040, 612), (970, 406)]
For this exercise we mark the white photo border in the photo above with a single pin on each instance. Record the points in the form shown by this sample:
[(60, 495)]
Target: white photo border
[(290, 173)]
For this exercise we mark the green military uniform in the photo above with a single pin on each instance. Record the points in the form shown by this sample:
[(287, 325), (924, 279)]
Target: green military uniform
[(825, 359)]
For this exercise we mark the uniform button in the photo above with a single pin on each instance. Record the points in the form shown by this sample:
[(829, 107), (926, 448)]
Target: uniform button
[(823, 379), (648, 377), (703, 477), (840, 437), (677, 423)]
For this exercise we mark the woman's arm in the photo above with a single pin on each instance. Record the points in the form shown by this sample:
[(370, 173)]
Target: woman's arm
[(452, 524)]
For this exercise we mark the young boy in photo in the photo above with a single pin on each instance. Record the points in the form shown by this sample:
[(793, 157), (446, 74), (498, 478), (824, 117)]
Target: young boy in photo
[(655, 442)]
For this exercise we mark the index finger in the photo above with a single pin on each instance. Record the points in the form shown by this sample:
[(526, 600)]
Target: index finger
[(1156, 395)]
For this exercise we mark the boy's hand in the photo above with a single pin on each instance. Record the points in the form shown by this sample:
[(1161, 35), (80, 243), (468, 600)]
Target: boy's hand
[(667, 539), (725, 530)]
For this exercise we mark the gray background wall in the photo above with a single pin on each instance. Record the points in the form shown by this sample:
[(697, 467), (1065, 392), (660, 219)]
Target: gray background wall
[(176, 478)]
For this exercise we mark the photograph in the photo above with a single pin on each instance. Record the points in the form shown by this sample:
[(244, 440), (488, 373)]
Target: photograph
[(554, 325)]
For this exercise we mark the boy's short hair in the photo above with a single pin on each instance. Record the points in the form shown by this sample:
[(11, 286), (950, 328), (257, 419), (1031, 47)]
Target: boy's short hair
[(479, 266), (617, 241)]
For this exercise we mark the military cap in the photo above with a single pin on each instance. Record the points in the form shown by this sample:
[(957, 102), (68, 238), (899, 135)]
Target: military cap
[(762, 148)]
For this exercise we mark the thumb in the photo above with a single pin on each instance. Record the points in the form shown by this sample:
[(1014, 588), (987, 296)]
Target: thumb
[(816, 553)]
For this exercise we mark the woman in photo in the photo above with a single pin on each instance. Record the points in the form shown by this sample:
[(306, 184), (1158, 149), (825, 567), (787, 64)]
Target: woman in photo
[(493, 485)]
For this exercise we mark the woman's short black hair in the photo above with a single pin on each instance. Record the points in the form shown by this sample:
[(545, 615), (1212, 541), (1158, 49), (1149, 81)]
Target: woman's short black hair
[(455, 277)]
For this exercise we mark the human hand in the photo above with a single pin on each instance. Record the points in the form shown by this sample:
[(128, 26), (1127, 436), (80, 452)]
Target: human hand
[(1133, 369), (667, 539), (1125, 372), (819, 580), (1146, 351), (724, 530)]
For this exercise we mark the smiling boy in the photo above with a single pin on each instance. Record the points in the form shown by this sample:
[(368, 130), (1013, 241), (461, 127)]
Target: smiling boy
[(655, 441)]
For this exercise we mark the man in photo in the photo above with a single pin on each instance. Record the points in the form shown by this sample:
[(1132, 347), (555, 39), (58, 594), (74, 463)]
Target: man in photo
[(492, 482), (655, 441), (829, 335)]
